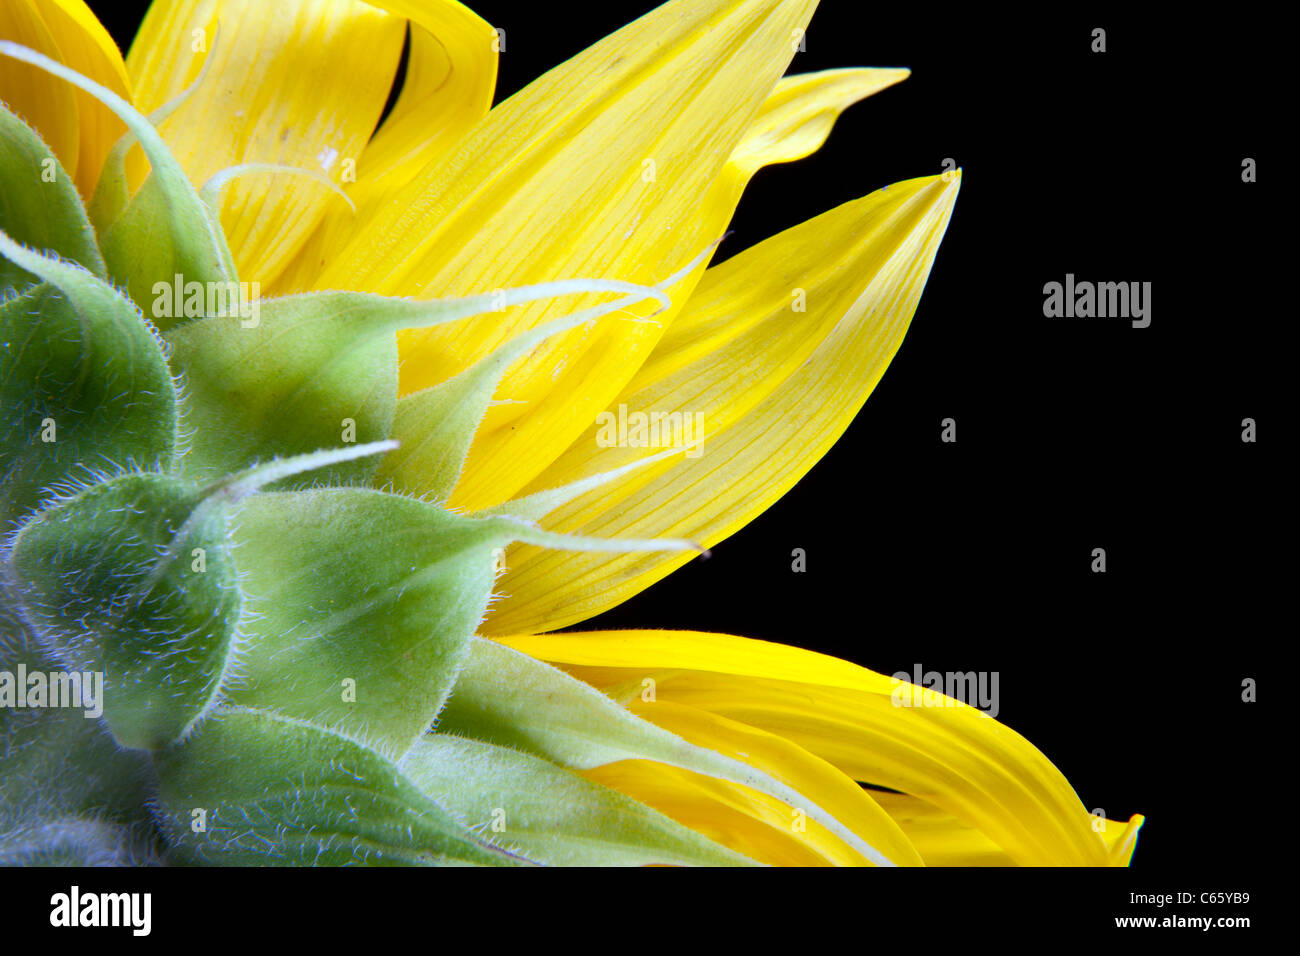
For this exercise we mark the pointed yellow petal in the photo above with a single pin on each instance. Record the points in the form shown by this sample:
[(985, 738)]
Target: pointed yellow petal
[(1121, 839), (811, 776), (450, 77), (45, 102), (768, 388), (299, 84), (87, 48), (798, 115), (871, 727), (699, 651), (793, 122), (943, 840), (598, 169)]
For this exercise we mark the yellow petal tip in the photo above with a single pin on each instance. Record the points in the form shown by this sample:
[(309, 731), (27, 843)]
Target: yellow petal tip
[(1121, 854)]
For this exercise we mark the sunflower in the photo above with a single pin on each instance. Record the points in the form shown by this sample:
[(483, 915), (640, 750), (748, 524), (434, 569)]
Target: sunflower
[(587, 447)]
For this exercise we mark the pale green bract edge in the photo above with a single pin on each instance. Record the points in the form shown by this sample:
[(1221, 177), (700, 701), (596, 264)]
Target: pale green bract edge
[(550, 814)]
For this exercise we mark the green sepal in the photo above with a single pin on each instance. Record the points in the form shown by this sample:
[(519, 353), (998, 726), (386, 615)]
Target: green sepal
[(362, 604), (517, 701), (314, 371), (255, 788), (164, 233), (113, 191), (362, 607), (133, 578), (549, 814), (39, 205), (84, 385)]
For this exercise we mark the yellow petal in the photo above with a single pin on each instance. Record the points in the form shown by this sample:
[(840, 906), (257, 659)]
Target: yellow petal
[(164, 60), (943, 840), (811, 776), (747, 821), (294, 84), (87, 48), (871, 727), (599, 169), (768, 388), (794, 122), (798, 115), (450, 77), (1121, 839), (45, 102)]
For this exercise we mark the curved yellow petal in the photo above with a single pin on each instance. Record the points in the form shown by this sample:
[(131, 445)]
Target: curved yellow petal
[(941, 838), (794, 122), (699, 651), (798, 116), (791, 764), (873, 728), (944, 840), (450, 78), (1121, 839), (169, 49), (747, 821), (46, 103), (767, 387), (87, 48), (298, 84), (598, 169)]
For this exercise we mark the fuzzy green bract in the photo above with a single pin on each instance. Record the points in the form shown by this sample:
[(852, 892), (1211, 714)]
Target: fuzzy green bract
[(68, 794), (253, 787), (363, 610), (133, 579), (47, 214), (84, 387)]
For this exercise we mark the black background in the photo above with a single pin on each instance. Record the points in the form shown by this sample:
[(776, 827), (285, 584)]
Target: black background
[(1072, 434)]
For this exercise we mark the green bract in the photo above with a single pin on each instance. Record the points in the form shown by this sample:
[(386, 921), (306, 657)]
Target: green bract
[(232, 610), (134, 578), (47, 213)]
